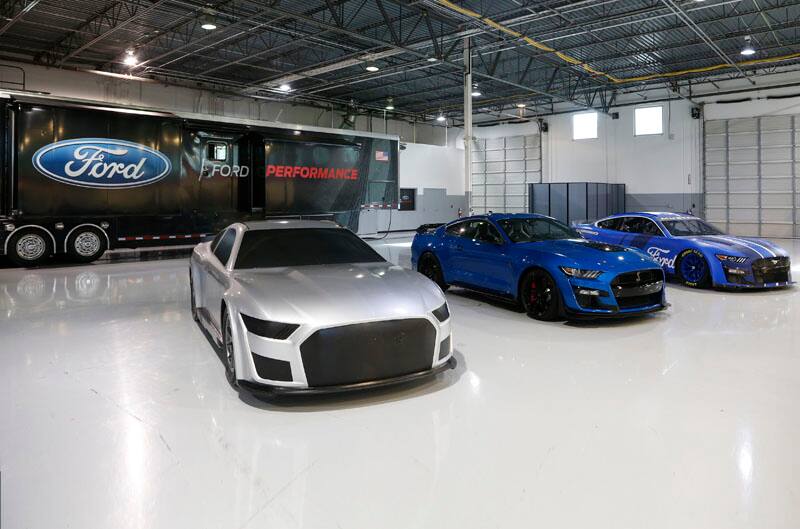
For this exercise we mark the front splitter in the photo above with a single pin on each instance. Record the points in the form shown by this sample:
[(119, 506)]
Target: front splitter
[(344, 388)]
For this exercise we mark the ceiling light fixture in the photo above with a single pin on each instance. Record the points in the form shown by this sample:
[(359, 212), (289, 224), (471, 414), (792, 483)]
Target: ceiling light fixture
[(285, 88), (441, 117), (389, 104), (475, 91), (372, 67), (520, 105), (207, 22), (748, 47), (130, 58), (432, 59)]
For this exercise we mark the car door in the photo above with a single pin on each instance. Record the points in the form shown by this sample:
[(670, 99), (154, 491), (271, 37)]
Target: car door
[(452, 256), (486, 262), (216, 277), (645, 234)]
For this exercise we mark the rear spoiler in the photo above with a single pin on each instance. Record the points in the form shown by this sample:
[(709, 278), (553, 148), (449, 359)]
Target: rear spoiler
[(427, 228)]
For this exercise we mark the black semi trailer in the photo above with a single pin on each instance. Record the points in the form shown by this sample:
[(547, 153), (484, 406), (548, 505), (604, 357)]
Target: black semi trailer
[(82, 178)]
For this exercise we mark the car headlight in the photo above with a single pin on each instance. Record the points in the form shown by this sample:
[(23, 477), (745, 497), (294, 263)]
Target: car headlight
[(442, 313), (269, 329), (731, 258), (580, 273)]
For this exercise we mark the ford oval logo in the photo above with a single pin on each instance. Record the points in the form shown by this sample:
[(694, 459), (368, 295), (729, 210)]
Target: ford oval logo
[(101, 162)]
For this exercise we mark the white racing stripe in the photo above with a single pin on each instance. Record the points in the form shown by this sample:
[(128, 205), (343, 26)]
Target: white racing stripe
[(769, 250), (747, 244)]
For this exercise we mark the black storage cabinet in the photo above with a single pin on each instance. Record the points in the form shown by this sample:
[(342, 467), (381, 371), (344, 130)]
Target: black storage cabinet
[(576, 201)]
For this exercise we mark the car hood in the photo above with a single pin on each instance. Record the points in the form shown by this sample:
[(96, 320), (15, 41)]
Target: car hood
[(591, 255), (335, 294), (738, 246)]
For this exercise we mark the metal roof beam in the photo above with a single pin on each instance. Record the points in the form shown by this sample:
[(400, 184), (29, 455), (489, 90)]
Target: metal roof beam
[(702, 34), (14, 10), (99, 27)]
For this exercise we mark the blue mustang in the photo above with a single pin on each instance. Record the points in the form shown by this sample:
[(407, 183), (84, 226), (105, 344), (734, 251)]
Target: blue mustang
[(540, 262), (695, 252)]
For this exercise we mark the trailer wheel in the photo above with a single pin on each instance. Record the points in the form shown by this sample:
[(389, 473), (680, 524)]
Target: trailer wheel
[(86, 244), (29, 247)]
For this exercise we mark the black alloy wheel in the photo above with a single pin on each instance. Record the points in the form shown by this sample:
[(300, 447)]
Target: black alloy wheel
[(192, 302), (227, 345), (429, 267), (540, 296)]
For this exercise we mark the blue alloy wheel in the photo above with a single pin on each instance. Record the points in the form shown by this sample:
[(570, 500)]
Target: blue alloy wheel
[(693, 268)]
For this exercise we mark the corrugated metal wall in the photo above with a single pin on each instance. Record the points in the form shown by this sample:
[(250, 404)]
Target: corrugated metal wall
[(502, 168), (751, 175)]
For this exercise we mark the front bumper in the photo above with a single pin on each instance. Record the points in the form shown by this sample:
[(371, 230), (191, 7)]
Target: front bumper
[(347, 356), (759, 274), (344, 388), (622, 295)]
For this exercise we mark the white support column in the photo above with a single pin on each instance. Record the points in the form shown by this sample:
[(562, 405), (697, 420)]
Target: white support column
[(468, 122)]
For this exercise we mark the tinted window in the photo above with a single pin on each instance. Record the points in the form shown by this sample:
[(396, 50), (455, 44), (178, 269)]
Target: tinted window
[(531, 230), (640, 225), (303, 247), (610, 224), (485, 232), (216, 239), (225, 246), (684, 227), (461, 229)]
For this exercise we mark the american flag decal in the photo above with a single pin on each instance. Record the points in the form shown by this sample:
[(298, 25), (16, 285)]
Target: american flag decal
[(381, 156)]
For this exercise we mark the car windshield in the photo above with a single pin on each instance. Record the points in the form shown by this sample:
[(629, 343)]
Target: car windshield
[(302, 247), (686, 227), (536, 229)]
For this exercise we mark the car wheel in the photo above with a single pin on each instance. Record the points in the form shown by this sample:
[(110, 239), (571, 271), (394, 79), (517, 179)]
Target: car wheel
[(29, 247), (430, 267), (192, 302), (86, 244), (692, 269), (540, 296), (227, 346)]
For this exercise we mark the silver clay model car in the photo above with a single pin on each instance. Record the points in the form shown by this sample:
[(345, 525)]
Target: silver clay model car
[(302, 305)]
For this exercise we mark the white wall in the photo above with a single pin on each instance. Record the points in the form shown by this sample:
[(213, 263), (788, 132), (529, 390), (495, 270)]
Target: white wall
[(155, 95), (662, 171), (431, 166)]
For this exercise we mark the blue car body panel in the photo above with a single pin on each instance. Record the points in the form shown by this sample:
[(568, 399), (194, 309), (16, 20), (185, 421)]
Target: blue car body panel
[(667, 248), (499, 268)]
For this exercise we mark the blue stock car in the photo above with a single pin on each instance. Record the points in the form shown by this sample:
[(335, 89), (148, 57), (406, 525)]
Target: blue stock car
[(541, 263), (695, 252)]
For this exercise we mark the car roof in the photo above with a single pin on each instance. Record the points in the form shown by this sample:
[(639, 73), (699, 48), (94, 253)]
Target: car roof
[(501, 216), (654, 215), (288, 224)]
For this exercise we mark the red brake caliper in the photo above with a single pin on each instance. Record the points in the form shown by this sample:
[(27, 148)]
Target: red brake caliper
[(533, 294)]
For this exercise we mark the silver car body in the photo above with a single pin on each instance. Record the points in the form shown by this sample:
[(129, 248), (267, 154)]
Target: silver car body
[(314, 297)]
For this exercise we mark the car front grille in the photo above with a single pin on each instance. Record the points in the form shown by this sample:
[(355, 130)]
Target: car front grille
[(771, 270), (638, 289), (363, 352)]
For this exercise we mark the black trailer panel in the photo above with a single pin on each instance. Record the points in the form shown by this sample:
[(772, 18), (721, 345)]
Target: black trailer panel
[(151, 179)]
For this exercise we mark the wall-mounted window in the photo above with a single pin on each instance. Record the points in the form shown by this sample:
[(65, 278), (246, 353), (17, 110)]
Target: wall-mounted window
[(648, 121), (584, 126), (217, 151)]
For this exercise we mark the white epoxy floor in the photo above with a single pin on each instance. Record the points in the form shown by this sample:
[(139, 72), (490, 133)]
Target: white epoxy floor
[(115, 413)]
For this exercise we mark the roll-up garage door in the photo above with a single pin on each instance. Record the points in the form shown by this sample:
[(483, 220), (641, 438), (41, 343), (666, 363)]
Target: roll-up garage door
[(502, 168), (751, 175)]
